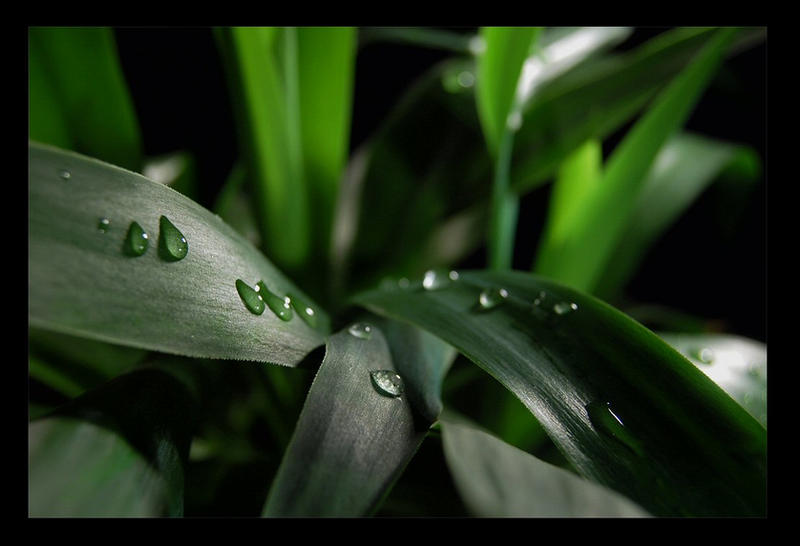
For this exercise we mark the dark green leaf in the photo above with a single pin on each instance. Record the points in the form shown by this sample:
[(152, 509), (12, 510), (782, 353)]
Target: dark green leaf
[(82, 283), (697, 454)]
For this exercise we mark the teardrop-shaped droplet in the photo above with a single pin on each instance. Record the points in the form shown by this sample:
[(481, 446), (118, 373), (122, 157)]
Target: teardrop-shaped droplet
[(604, 419), (64, 174), (282, 307), (103, 224), (136, 241), (387, 382), (435, 280), (250, 297), (304, 310), (361, 330), (172, 243), (492, 297), (563, 307)]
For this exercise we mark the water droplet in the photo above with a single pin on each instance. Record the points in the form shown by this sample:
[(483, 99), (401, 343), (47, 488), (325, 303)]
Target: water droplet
[(252, 300), (305, 311), (453, 275), (282, 307), (361, 330), (435, 280), (538, 301), (136, 241), (387, 382), (64, 174), (466, 79), (562, 308), (103, 224), (172, 243), (606, 420), (703, 355), (492, 297), (514, 121)]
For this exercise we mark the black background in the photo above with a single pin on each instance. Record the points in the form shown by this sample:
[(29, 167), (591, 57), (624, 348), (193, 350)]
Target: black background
[(179, 90)]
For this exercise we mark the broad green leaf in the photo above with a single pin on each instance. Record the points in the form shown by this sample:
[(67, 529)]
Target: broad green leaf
[(351, 441), (81, 70), (596, 98), (499, 64), (116, 451), (267, 111), (601, 217), (699, 453), (326, 66), (685, 166), (83, 283), (498, 480), (738, 365)]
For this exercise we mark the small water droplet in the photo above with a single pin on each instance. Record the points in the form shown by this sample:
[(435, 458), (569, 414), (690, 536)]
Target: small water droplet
[(435, 280), (250, 297), (305, 311), (361, 330), (453, 275), (562, 308), (492, 297), (387, 382), (466, 79), (540, 298), (64, 174), (172, 243), (282, 307), (136, 241), (704, 355), (606, 420), (103, 224)]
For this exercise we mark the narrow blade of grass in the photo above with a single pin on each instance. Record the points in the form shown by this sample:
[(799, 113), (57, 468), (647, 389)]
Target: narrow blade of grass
[(498, 480), (83, 283), (601, 217), (94, 106), (603, 387)]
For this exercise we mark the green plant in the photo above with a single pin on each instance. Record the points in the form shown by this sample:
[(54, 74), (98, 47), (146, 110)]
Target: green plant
[(376, 374)]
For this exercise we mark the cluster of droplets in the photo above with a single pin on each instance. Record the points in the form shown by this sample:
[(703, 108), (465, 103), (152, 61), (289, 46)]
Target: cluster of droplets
[(259, 298)]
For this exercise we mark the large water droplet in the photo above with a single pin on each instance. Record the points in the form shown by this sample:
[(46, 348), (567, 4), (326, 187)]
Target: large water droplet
[(435, 280), (172, 243), (492, 297), (250, 297), (103, 224), (606, 420), (282, 307), (387, 382), (305, 311), (136, 241), (563, 307), (64, 174), (361, 330)]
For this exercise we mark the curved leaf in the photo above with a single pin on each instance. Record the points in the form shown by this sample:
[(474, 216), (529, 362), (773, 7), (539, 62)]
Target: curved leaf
[(350, 442), (498, 480), (696, 453), (82, 283)]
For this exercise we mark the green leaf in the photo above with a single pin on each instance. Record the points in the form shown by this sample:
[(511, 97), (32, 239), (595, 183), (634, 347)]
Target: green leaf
[(498, 480), (738, 365), (351, 442), (600, 219), (267, 113), (116, 451), (422, 37), (683, 169), (82, 283), (698, 453), (498, 69), (596, 98), (86, 105), (326, 66)]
